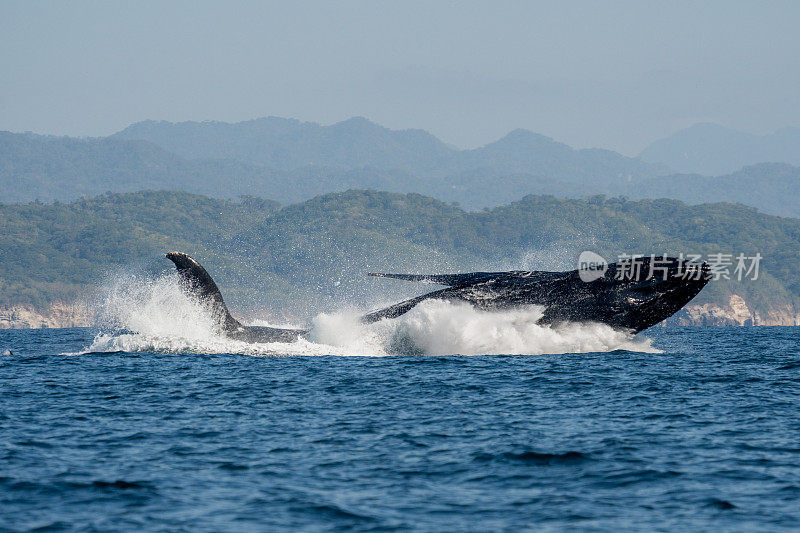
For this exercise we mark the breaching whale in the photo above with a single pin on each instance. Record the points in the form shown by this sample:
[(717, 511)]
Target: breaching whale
[(627, 296)]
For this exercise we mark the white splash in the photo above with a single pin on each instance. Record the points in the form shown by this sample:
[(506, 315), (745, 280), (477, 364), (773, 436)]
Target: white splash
[(144, 315), (156, 307), (439, 328)]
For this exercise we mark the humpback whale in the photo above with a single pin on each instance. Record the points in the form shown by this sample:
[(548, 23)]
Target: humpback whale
[(625, 298)]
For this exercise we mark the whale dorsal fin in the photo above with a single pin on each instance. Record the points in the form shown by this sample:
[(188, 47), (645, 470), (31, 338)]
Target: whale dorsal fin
[(200, 284), (461, 280), (453, 280)]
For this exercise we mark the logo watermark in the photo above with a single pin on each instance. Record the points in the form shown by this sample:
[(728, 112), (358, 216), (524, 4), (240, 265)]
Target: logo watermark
[(592, 266)]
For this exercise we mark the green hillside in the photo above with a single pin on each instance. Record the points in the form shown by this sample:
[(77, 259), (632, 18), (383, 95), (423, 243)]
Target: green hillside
[(313, 255)]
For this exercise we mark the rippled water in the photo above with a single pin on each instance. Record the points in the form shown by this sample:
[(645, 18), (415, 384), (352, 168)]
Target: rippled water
[(705, 435)]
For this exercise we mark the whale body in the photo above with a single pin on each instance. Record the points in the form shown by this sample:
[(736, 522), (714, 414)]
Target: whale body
[(625, 298)]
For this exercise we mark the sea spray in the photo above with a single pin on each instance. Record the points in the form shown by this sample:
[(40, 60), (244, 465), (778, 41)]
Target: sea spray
[(142, 315), (155, 307), (437, 327), (154, 314), (345, 331)]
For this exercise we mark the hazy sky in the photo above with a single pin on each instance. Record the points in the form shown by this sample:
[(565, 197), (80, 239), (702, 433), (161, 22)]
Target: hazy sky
[(607, 74)]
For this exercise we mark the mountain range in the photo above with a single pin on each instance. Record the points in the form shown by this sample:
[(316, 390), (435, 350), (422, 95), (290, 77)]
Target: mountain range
[(771, 187), (289, 144), (290, 161), (712, 149)]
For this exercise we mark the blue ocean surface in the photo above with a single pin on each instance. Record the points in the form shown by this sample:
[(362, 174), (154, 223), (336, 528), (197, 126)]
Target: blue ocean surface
[(703, 436)]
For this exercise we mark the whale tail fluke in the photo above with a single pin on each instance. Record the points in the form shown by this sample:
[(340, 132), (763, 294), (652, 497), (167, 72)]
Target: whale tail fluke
[(199, 283)]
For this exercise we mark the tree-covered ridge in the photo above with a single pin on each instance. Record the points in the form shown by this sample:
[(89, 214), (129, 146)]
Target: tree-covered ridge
[(54, 251), (313, 255)]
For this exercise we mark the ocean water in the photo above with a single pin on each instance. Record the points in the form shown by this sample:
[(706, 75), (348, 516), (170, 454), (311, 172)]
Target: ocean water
[(685, 429)]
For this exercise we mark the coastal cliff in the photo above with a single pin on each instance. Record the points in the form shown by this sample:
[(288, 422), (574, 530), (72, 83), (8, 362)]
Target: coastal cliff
[(736, 313), (56, 315)]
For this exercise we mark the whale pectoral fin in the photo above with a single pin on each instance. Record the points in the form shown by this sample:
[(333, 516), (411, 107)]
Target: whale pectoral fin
[(402, 307), (200, 284)]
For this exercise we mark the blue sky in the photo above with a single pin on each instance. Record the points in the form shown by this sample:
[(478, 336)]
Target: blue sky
[(592, 74)]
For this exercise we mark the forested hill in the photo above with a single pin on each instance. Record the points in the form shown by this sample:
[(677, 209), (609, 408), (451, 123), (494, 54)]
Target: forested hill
[(313, 255)]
